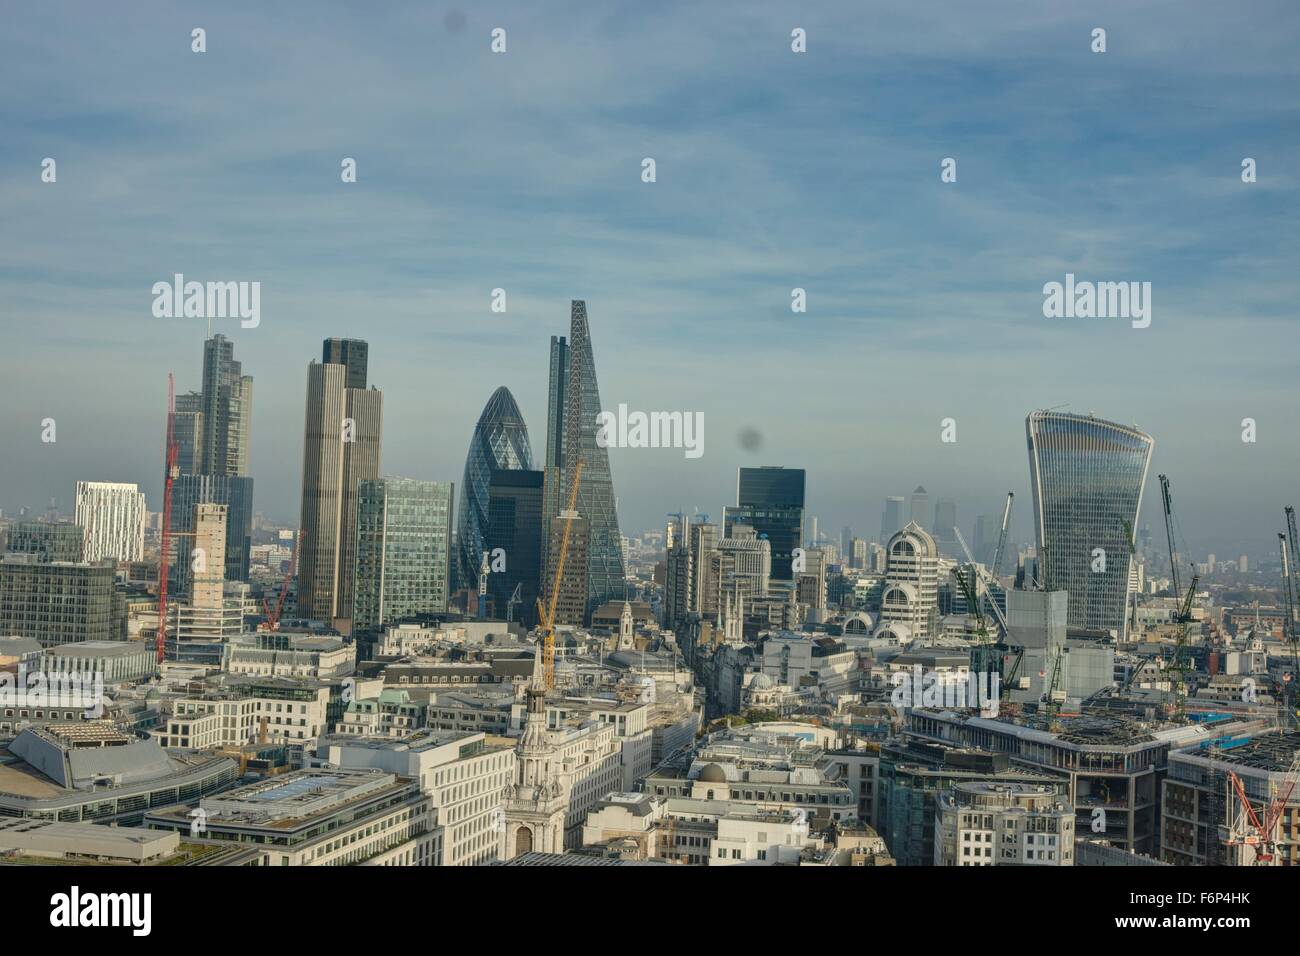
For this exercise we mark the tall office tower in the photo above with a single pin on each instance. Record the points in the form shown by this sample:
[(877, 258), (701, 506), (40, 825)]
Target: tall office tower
[(579, 395), (553, 467), (909, 603), (515, 527), (810, 588), (770, 500), (187, 431), (403, 556), (499, 443), (48, 540), (208, 558), (846, 543), (227, 410), (858, 556), (677, 584), (891, 520), (1087, 477), (572, 596), (1243, 564), (235, 492), (750, 563), (352, 354), (57, 602), (340, 449), (918, 506), (112, 516), (945, 520)]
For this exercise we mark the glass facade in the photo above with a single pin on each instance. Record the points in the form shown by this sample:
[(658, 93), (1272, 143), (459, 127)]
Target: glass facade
[(606, 578), (515, 526), (500, 443), (1087, 477), (236, 493), (403, 551), (227, 410), (771, 501)]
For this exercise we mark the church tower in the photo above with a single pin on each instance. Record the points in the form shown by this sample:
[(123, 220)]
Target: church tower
[(536, 802)]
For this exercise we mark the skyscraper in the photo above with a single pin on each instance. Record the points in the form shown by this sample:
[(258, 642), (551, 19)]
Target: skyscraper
[(515, 527), (1087, 477), (576, 391), (233, 491), (571, 596), (187, 432), (770, 500), (209, 572), (919, 506), (499, 443), (403, 556), (227, 410), (341, 448), (112, 516), (352, 354), (48, 540), (553, 467), (891, 521), (945, 520)]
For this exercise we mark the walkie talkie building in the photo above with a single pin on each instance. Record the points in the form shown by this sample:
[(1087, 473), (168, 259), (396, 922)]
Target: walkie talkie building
[(1087, 477)]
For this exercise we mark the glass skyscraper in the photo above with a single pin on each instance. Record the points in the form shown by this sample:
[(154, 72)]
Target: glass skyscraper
[(233, 491), (515, 526), (1087, 477), (227, 410), (573, 389), (403, 551), (499, 443), (771, 501)]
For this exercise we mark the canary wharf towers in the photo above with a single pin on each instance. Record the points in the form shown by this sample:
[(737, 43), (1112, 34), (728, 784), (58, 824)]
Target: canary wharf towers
[(572, 409), (1087, 477)]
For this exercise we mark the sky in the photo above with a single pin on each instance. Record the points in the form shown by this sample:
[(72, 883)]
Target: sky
[(775, 170)]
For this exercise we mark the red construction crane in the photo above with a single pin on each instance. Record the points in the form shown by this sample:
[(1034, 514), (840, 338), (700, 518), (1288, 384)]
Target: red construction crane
[(1261, 831), (170, 453), (273, 617)]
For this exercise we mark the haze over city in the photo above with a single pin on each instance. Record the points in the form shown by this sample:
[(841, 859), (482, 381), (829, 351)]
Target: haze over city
[(523, 172)]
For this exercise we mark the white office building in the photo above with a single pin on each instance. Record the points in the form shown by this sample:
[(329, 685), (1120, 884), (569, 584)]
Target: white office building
[(112, 517)]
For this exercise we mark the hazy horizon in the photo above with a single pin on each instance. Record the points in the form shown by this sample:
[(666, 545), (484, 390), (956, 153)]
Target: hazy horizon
[(775, 171)]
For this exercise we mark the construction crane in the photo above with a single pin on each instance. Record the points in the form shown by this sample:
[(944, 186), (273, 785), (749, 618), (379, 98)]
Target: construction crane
[(1289, 624), (1261, 831), (548, 613), (272, 622), (514, 600), (1177, 669), (997, 611), (1052, 697), (1001, 648), (484, 570), (170, 455), (1002, 536)]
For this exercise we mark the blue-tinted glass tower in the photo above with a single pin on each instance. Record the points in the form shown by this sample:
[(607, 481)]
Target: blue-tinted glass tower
[(1087, 477), (500, 443)]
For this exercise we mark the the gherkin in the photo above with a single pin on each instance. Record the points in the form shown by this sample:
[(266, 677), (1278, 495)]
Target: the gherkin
[(500, 443)]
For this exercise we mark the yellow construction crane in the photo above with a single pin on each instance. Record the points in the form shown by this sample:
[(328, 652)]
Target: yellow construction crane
[(548, 613)]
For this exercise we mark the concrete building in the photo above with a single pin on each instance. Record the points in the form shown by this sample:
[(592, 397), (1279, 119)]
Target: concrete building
[(1003, 824), (57, 602), (464, 775), (320, 817), (909, 604), (111, 514), (341, 448), (117, 661)]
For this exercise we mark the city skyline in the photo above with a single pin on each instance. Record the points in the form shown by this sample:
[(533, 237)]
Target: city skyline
[(848, 211)]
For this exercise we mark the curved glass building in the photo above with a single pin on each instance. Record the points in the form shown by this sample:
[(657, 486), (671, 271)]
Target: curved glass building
[(1087, 477), (500, 443)]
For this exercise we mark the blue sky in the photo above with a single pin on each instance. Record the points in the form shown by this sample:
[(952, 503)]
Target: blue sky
[(775, 170)]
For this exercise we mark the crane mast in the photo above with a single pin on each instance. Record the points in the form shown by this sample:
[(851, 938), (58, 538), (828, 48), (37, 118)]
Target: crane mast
[(170, 455)]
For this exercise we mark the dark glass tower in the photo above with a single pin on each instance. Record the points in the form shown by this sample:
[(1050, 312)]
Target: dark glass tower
[(353, 354), (515, 526), (500, 443), (606, 578), (1087, 477), (227, 410), (771, 501), (233, 491)]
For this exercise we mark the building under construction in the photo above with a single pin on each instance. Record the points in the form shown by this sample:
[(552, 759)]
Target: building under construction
[(1201, 809)]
